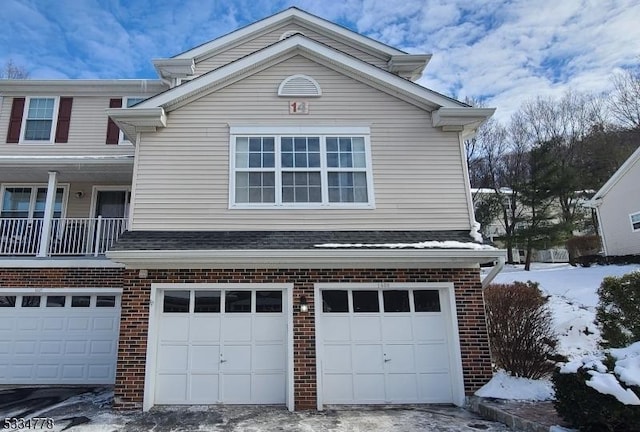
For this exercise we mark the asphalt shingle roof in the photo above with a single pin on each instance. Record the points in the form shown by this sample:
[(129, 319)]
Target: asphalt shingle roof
[(222, 240)]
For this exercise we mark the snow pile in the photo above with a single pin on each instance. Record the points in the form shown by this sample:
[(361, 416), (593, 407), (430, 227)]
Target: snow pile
[(627, 370), (505, 386), (451, 244), (475, 232)]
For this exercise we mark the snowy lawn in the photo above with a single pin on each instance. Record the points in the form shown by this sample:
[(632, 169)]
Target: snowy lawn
[(572, 298)]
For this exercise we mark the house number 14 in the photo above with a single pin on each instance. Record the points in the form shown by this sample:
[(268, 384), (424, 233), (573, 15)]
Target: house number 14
[(298, 107)]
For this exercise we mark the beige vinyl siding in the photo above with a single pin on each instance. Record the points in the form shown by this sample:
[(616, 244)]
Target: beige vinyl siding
[(622, 200), (87, 132), (182, 170), (250, 46)]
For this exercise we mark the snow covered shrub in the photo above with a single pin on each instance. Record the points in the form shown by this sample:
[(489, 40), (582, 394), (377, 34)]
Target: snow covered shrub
[(601, 394), (520, 329), (618, 310)]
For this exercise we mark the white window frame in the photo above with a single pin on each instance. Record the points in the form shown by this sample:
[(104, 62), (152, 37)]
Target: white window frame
[(34, 188), (303, 131), (54, 121), (631, 217), (122, 140)]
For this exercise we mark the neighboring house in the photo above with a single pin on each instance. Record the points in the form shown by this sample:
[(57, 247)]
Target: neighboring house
[(617, 205), (300, 228)]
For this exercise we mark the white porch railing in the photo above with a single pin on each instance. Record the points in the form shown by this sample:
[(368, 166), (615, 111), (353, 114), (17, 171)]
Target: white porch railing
[(69, 236)]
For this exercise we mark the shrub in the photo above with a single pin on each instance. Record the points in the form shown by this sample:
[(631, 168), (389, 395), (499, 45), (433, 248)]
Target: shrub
[(589, 410), (520, 331), (582, 246), (618, 310)]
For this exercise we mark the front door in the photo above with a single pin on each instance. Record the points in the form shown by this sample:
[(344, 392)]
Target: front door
[(112, 203)]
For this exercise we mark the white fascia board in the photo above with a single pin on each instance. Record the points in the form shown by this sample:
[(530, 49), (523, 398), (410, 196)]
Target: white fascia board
[(460, 119), (174, 68), (299, 42), (66, 160), (272, 21), (410, 66), (112, 88), (134, 120), (596, 200), (306, 258)]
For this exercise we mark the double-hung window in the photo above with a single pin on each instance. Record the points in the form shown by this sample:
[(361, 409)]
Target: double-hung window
[(309, 167), (635, 221), (38, 123)]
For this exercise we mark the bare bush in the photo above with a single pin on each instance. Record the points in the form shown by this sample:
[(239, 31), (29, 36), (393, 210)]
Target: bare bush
[(520, 329)]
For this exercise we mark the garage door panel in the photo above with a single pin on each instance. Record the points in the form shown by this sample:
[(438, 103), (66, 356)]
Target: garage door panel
[(173, 328), (109, 324), (171, 388), (22, 371), (435, 388), (51, 347), (268, 389), (337, 358), (205, 358), (205, 329), (53, 324), (101, 346), (47, 371), (433, 358), (173, 357), (237, 358), (204, 389), (368, 358), (428, 328), (236, 388), (75, 347), (400, 358), (369, 388), (266, 328), (100, 372), (366, 328), (338, 388), (268, 357), (27, 324), (336, 328), (237, 328), (402, 388), (79, 323), (397, 328), (73, 371), (25, 347)]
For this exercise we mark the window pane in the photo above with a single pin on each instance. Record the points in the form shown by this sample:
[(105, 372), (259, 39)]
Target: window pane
[(7, 301), (396, 301), (39, 119), (132, 101), (237, 301), (255, 187), (635, 221), (365, 301), (268, 301), (347, 187), (55, 301), (176, 301), (106, 301), (335, 301), (80, 301), (207, 301), (41, 200), (301, 187), (426, 300), (30, 301)]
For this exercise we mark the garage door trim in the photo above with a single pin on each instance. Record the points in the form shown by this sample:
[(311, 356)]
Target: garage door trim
[(154, 304), (448, 296)]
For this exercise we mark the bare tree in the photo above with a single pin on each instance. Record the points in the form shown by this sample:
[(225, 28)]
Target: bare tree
[(625, 100), (13, 71)]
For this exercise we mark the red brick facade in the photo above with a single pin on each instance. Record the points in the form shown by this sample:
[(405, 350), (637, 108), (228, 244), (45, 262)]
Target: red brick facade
[(132, 349), (135, 312)]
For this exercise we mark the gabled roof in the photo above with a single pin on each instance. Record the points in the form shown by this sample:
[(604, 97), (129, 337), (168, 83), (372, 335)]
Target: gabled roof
[(615, 178), (455, 115), (291, 14)]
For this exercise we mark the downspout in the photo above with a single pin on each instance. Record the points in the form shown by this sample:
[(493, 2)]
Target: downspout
[(493, 273)]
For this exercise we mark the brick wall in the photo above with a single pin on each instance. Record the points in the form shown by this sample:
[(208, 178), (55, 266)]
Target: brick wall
[(60, 278), (135, 313)]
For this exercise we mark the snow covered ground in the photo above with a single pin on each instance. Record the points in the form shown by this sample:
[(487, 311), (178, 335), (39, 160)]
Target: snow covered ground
[(572, 299)]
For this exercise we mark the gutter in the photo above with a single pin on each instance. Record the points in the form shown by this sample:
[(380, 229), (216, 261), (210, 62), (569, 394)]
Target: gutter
[(494, 272)]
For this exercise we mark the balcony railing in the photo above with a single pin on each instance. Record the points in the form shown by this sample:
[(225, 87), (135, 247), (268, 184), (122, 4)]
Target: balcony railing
[(69, 236)]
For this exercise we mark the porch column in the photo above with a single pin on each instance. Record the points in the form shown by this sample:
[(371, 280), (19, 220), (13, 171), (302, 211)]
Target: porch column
[(45, 236)]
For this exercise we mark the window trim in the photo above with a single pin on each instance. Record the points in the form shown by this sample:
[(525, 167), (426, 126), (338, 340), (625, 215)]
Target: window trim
[(286, 131), (634, 229), (33, 198), (54, 121)]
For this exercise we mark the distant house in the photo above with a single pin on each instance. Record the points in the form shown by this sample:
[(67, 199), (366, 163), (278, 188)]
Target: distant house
[(283, 218), (617, 205)]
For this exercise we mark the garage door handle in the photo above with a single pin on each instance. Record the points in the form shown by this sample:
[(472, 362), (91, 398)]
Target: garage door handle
[(223, 361), (387, 360)]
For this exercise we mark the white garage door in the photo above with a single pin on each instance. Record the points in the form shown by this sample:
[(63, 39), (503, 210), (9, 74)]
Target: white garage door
[(221, 346), (58, 337), (385, 346)]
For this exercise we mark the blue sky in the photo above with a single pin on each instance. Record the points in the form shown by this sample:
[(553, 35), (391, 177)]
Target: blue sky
[(501, 51)]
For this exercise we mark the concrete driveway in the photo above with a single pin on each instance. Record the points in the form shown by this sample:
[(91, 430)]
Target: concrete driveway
[(88, 409)]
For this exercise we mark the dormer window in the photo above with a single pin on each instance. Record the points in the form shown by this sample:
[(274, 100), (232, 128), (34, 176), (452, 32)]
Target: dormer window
[(299, 86)]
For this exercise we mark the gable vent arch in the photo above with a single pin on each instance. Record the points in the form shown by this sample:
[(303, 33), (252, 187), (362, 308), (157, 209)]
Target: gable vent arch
[(290, 33), (299, 85)]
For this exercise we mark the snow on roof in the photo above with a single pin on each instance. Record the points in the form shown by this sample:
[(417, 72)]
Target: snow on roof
[(418, 245)]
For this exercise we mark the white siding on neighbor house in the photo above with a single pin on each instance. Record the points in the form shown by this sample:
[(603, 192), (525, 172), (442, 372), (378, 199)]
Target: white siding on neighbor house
[(247, 47), (87, 132), (182, 170), (622, 200)]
